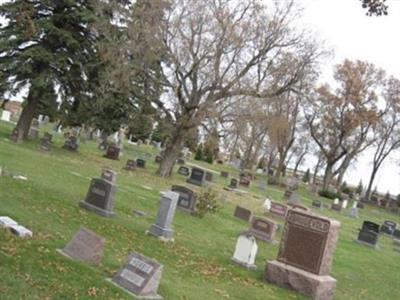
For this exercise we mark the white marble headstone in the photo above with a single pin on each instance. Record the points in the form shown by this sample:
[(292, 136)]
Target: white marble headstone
[(6, 115), (355, 203), (336, 201), (344, 204), (267, 204), (245, 251), (7, 222)]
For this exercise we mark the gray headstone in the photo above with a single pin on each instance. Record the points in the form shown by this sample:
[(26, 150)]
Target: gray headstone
[(163, 226), (141, 276), (100, 197), (197, 177)]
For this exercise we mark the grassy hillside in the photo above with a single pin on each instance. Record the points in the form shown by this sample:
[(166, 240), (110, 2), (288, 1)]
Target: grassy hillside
[(196, 266)]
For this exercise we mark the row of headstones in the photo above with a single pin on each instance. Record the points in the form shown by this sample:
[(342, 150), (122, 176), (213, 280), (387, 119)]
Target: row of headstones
[(370, 231), (305, 253)]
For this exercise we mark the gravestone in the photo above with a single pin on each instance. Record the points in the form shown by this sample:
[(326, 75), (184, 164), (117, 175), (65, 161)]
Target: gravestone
[(158, 159), (14, 135), (242, 213), (234, 183), (317, 203), (183, 171), (305, 255), (267, 204), (85, 246), (141, 163), (244, 181), (396, 234), (354, 210), (224, 174), (294, 199), (180, 161), (6, 115), (336, 205), (20, 231), (368, 234), (112, 152), (262, 184), (103, 145), (360, 205), (71, 144), (245, 251), (209, 176), (109, 175), (34, 130), (140, 276), (344, 203), (130, 165), (187, 198), (45, 142), (197, 177), (100, 197), (287, 194), (388, 227), (163, 226), (6, 222), (279, 209), (263, 229)]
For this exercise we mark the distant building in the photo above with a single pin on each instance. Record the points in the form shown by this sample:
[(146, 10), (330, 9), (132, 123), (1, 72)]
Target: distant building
[(15, 107)]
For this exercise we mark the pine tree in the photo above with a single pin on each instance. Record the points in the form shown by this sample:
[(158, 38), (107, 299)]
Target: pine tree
[(46, 44), (199, 152), (360, 188), (306, 177)]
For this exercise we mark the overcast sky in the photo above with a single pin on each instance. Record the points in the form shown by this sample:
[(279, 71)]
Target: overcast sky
[(345, 28)]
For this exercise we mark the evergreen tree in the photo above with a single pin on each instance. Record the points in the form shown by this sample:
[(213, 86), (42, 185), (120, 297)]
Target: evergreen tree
[(45, 44), (306, 177), (360, 188), (199, 152)]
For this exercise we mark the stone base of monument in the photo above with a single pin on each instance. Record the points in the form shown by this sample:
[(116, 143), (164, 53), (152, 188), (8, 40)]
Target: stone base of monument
[(373, 246), (147, 297), (97, 210), (318, 287), (243, 264), (163, 234)]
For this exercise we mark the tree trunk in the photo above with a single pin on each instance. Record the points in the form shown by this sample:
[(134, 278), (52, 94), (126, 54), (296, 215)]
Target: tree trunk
[(281, 165), (171, 153), (298, 163), (327, 176), (24, 122), (233, 152), (371, 182), (316, 169)]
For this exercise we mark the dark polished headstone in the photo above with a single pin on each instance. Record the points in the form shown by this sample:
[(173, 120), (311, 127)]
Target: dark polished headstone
[(187, 198), (100, 197), (109, 175), (85, 246), (112, 152), (242, 213), (141, 163), (209, 176), (368, 234), (388, 227), (141, 276), (279, 209), (183, 171), (197, 177), (234, 183)]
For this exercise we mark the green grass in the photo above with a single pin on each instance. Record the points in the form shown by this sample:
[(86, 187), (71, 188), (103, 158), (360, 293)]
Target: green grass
[(196, 266)]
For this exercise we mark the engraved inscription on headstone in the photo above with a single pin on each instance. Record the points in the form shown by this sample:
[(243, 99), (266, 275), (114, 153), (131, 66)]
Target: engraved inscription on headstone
[(141, 276), (85, 246)]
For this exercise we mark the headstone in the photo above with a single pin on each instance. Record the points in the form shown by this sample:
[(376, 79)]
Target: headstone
[(336, 205), (109, 175), (305, 255), (197, 177), (6, 116), (262, 184), (224, 174), (71, 144), (242, 213), (85, 246), (279, 209), (141, 163), (112, 152), (294, 199), (267, 204), (292, 184), (244, 181), (130, 165), (103, 145), (368, 234), (234, 183), (344, 203), (360, 205), (158, 159), (34, 129), (6, 222), (183, 171), (209, 176), (14, 135), (140, 276), (388, 227), (180, 161), (163, 226), (396, 234), (100, 197), (45, 142), (20, 231), (263, 229), (298, 206), (186, 200), (317, 203), (245, 251), (287, 194)]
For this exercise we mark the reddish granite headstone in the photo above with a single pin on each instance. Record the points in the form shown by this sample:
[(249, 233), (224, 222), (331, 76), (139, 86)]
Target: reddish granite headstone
[(279, 209), (305, 255), (263, 229)]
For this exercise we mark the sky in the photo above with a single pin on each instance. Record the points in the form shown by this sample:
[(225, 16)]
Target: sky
[(344, 27)]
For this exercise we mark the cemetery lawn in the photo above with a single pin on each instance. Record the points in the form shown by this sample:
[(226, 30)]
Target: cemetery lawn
[(196, 266)]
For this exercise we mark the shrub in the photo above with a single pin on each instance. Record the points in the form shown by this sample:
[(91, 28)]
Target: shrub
[(329, 194), (207, 202), (199, 153)]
